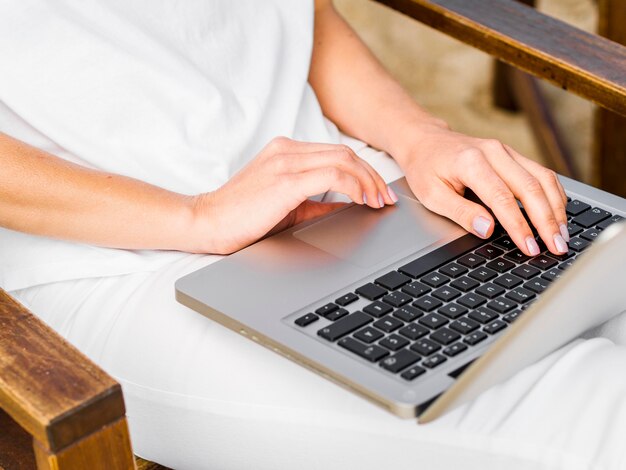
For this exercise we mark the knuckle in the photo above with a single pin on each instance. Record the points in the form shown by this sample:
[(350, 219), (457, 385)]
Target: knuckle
[(279, 143), (493, 145), (472, 157), (533, 186), (344, 154), (461, 213), (332, 174), (502, 196)]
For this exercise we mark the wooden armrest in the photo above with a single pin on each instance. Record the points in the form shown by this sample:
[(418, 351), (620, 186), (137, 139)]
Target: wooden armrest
[(588, 65), (54, 392)]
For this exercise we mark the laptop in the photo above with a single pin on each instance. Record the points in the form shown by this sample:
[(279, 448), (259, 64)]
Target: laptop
[(408, 310)]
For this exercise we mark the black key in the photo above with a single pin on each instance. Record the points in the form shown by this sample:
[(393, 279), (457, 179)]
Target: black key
[(452, 310), (483, 315), (370, 352), (591, 234), (502, 304), (347, 299), (393, 280), (415, 289), (446, 293), (306, 319), (394, 342), (516, 256), (400, 360), (435, 279), (434, 361), (566, 264), (378, 309), (573, 229), (495, 326), (454, 349), (501, 265), (368, 334), (575, 207), (445, 336), (326, 309), (552, 274), (564, 256), (512, 316), (464, 284), (453, 270), (611, 220), (591, 217), (397, 299), (520, 295), (337, 314), (472, 300), (537, 285), (490, 290), (371, 291), (441, 256), (489, 252), (508, 281), (427, 303), (388, 324), (425, 347), (471, 260), (542, 262), (483, 274), (505, 243), (475, 338), (464, 325), (344, 326), (408, 313), (414, 331), (434, 320), (578, 244), (526, 272), (412, 373)]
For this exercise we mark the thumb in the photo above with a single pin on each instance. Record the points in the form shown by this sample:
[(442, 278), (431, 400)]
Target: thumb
[(306, 211), (471, 216)]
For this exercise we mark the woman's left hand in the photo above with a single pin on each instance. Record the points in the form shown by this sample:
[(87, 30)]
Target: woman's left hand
[(444, 163)]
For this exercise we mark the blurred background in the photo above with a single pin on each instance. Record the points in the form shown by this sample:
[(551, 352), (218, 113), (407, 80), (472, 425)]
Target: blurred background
[(453, 80)]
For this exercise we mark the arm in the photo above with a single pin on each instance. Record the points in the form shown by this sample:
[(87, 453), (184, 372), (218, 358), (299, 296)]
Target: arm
[(364, 100), (46, 195)]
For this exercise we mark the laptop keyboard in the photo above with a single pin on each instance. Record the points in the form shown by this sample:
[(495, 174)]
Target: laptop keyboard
[(451, 299)]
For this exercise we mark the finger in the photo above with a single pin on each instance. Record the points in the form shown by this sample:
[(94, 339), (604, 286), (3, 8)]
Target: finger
[(319, 180), (341, 158), (471, 216), (481, 178), (388, 195), (552, 187), (529, 190)]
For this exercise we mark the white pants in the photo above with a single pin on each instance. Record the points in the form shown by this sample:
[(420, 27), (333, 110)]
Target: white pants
[(200, 396)]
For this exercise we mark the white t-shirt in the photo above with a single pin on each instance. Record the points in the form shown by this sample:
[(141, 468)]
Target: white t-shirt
[(177, 94)]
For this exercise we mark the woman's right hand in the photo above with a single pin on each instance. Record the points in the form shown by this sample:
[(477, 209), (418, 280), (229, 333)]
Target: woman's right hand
[(271, 193)]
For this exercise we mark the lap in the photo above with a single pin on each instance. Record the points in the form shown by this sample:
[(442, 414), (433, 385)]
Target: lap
[(200, 396)]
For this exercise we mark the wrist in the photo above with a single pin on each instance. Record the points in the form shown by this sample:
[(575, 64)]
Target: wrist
[(412, 135)]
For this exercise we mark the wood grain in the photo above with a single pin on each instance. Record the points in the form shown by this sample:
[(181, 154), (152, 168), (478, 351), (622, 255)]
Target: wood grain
[(16, 445), (609, 163), (52, 390), (588, 65)]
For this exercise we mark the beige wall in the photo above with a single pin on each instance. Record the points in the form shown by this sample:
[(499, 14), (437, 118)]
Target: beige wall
[(452, 80)]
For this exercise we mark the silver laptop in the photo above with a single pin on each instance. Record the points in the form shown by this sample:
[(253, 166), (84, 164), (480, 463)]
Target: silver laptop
[(407, 309)]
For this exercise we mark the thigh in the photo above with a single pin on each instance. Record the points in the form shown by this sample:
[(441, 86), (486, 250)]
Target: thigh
[(200, 396)]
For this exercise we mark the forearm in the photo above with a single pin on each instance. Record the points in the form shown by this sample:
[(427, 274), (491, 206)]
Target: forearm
[(45, 195), (357, 93)]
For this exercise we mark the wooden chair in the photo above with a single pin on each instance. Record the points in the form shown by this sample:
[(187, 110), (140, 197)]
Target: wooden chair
[(60, 411), (583, 63)]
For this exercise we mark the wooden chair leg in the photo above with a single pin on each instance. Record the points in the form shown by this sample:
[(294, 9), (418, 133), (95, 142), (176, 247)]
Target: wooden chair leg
[(106, 449), (16, 451), (502, 92), (609, 162)]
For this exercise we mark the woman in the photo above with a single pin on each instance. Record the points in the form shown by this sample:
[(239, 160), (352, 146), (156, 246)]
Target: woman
[(138, 132)]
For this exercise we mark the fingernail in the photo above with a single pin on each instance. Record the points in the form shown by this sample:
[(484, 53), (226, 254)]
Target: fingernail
[(564, 232), (560, 244), (481, 225), (381, 201), (392, 194), (533, 248), (364, 199)]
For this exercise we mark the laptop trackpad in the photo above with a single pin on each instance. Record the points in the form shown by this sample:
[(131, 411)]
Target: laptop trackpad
[(366, 237)]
